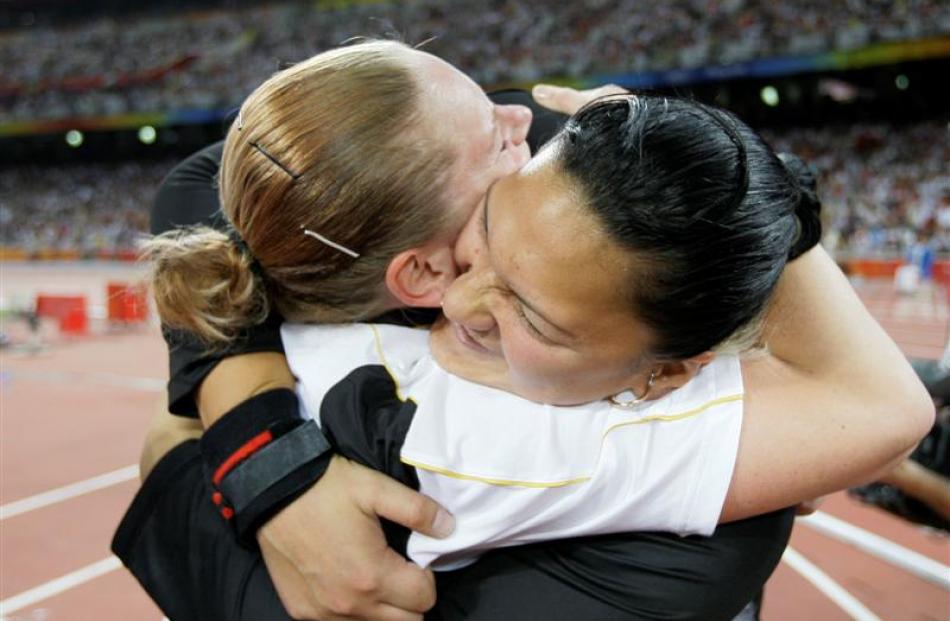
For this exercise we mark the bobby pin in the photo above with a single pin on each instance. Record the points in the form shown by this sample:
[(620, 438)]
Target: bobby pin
[(276, 162), (329, 243)]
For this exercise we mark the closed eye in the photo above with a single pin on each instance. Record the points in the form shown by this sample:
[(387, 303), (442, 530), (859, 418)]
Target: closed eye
[(533, 329)]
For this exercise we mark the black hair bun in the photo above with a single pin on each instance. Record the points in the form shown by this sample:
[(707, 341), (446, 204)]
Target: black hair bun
[(808, 208)]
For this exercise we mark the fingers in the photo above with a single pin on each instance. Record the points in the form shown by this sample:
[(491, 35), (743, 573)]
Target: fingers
[(348, 573), (567, 100), (397, 503), (391, 613), (558, 98), (390, 588), (405, 585)]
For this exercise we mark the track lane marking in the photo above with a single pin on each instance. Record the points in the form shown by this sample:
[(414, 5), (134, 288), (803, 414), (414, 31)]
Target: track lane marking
[(884, 549), (59, 585), (831, 589), (112, 380), (66, 492)]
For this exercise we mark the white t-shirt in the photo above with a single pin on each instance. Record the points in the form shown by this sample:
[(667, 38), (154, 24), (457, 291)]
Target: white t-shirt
[(513, 471)]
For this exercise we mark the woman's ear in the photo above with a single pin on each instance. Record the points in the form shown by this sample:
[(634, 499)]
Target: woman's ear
[(672, 375), (420, 276)]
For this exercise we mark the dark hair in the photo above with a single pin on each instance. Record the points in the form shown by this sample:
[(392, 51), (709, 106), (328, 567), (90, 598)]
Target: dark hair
[(707, 209)]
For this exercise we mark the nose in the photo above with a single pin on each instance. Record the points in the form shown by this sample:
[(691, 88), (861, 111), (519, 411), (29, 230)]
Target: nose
[(517, 120), (467, 302)]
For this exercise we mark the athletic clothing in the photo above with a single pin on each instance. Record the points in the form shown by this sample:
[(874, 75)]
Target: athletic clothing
[(175, 543), (186, 557), (513, 471)]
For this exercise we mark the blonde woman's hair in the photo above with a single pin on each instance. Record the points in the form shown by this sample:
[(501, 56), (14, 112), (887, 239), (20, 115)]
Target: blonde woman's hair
[(334, 146)]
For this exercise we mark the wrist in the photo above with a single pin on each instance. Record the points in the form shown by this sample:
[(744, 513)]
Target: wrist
[(261, 456)]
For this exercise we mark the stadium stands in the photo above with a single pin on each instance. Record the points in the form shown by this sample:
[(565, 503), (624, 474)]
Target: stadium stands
[(211, 59), (91, 211), (881, 186)]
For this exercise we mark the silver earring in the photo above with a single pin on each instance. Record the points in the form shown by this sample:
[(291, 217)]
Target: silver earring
[(630, 404)]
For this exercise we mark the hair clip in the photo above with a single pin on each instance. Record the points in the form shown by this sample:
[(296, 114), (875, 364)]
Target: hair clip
[(239, 121), (329, 243), (275, 161), (243, 248)]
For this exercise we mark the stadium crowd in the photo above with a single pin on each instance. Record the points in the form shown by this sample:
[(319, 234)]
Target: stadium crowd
[(89, 210), (212, 59), (882, 186)]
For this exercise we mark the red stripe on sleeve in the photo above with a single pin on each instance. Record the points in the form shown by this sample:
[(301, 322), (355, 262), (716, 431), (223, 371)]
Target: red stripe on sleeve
[(250, 447)]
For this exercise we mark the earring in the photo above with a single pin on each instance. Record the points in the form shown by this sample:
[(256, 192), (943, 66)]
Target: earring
[(636, 401)]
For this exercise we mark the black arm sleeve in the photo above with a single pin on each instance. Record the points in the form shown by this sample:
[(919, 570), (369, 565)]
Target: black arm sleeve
[(188, 195)]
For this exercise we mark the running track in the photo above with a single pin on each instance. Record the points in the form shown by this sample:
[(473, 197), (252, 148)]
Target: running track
[(72, 419)]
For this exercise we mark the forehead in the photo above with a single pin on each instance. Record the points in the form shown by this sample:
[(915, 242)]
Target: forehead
[(462, 116), (453, 96), (552, 250)]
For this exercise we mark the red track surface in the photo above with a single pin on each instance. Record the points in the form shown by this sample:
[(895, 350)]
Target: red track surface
[(79, 410)]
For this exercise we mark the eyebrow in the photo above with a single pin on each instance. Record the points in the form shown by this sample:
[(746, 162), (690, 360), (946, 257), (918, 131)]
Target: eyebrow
[(520, 299)]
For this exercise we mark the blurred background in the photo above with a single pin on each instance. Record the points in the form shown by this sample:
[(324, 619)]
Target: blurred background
[(100, 98)]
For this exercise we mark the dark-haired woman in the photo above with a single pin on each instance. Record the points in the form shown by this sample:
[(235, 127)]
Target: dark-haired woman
[(530, 316)]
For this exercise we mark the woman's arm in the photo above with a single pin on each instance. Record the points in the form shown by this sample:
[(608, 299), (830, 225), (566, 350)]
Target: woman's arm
[(325, 551), (832, 405), (165, 432), (927, 486), (237, 379)]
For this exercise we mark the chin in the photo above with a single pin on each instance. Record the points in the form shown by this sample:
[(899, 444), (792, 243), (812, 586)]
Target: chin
[(462, 360), (554, 392)]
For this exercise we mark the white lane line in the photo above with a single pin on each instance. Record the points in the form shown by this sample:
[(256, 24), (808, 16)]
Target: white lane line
[(113, 380), (66, 492), (831, 589), (59, 585), (884, 549)]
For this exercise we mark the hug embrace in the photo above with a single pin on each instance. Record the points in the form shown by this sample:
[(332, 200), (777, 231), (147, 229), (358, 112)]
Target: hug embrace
[(637, 357)]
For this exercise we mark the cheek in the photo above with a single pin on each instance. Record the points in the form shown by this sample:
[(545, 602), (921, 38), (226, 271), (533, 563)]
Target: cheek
[(536, 369), (468, 244), (457, 296), (562, 376)]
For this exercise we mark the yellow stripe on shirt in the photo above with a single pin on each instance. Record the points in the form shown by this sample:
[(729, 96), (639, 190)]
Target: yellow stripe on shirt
[(680, 416), (515, 483), (498, 482)]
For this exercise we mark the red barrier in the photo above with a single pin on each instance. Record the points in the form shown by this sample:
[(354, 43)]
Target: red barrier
[(942, 272), (69, 310), (886, 268), (75, 322), (127, 303), (874, 268)]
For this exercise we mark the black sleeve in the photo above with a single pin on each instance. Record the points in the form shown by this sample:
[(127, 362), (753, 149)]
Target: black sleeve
[(189, 196), (189, 193), (186, 557), (623, 577)]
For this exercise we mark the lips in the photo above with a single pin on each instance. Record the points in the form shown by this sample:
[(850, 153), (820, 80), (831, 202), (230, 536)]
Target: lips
[(466, 338)]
